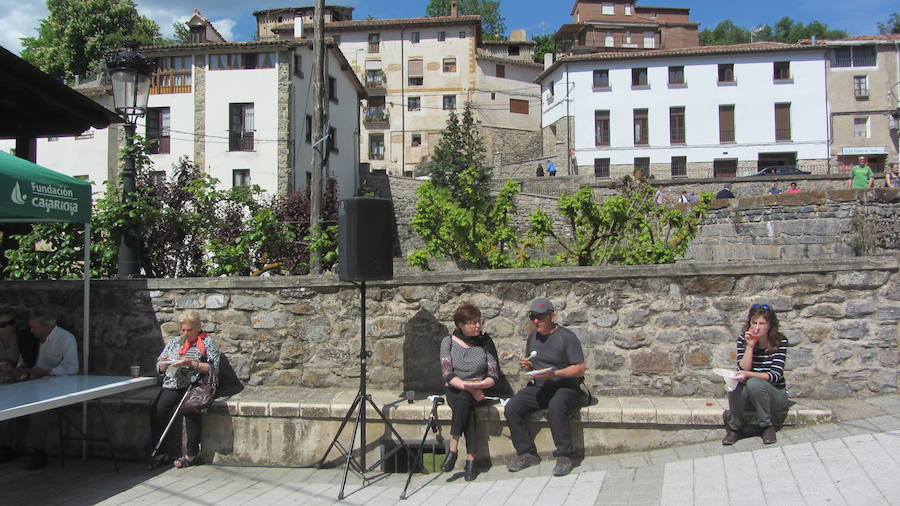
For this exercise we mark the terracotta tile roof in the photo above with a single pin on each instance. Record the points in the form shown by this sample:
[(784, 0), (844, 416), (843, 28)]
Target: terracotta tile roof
[(404, 22), (755, 47), (891, 37), (193, 47)]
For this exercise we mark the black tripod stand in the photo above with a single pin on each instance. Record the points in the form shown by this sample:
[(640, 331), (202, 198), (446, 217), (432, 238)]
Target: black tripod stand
[(432, 426), (357, 463)]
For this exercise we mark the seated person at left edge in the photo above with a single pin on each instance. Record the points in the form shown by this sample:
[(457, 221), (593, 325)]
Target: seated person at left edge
[(57, 356)]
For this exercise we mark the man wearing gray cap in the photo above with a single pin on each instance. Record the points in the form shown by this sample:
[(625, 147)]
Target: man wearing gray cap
[(555, 362)]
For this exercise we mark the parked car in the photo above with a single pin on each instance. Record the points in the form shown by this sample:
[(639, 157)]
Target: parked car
[(780, 170)]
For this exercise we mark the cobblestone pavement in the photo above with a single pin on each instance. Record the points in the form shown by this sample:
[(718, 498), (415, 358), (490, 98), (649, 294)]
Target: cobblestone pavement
[(852, 461)]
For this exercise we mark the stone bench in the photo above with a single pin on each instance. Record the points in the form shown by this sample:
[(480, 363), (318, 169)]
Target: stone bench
[(293, 427)]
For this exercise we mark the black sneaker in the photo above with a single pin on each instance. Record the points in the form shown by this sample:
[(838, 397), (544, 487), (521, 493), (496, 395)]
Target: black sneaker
[(38, 460), (563, 466), (523, 461)]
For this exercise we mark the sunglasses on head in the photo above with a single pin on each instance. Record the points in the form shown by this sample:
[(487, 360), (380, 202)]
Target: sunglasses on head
[(538, 316), (764, 306), (7, 323)]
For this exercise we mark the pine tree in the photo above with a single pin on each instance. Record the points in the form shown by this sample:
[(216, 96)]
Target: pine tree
[(460, 148)]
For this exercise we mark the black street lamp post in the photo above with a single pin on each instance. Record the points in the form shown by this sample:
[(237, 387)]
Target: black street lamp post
[(130, 73)]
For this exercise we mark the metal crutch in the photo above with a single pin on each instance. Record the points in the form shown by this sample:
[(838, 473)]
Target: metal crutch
[(193, 383)]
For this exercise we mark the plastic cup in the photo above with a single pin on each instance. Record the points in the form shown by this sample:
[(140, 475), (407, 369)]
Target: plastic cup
[(135, 371)]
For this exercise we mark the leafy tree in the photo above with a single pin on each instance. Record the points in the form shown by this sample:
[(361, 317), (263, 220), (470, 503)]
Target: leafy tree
[(187, 226), (76, 34), (477, 234), (891, 26), (724, 33), (627, 228), (785, 30), (493, 24), (460, 148), (545, 44), (182, 34)]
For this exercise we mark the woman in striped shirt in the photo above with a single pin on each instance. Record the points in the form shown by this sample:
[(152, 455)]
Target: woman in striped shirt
[(468, 368), (761, 351)]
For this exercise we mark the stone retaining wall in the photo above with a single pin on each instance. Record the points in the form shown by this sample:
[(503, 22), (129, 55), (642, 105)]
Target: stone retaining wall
[(655, 330), (828, 222)]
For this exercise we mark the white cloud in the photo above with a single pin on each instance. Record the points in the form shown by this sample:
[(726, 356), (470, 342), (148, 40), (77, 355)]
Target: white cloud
[(225, 27), (19, 20)]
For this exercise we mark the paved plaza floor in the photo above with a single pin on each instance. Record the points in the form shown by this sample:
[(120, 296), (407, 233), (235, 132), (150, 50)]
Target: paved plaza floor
[(855, 460)]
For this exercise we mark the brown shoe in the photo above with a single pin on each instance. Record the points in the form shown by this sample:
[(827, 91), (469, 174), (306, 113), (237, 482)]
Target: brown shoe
[(768, 435), (730, 438), (523, 461)]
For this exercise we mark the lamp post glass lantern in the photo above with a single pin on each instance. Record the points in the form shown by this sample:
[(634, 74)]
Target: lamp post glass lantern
[(130, 73)]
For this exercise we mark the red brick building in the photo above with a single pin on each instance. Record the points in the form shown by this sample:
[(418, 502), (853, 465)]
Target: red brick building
[(622, 25)]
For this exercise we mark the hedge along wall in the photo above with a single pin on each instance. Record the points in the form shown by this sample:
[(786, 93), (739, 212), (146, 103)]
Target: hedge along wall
[(653, 330)]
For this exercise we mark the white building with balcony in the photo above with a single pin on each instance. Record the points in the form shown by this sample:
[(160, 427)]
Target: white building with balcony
[(241, 111), (714, 111), (417, 70)]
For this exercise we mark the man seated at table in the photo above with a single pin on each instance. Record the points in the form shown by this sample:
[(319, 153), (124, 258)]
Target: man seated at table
[(57, 356)]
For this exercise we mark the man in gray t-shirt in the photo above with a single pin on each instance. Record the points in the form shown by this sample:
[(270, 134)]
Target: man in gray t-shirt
[(557, 350)]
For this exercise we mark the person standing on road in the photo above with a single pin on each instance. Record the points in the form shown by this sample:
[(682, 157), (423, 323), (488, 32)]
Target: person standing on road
[(555, 362), (761, 351), (861, 176)]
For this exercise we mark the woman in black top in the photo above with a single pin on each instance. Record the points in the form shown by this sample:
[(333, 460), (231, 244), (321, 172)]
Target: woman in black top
[(761, 351), (468, 369)]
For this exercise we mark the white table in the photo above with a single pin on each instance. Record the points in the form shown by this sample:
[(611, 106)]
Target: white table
[(33, 396)]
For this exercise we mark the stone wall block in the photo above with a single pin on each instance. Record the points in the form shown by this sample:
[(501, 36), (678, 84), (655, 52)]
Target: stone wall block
[(270, 319), (883, 381), (297, 293), (852, 329), (632, 340), (888, 313), (698, 357), (708, 285), (216, 301), (415, 293), (826, 311), (303, 309), (229, 317), (635, 318), (252, 302), (385, 327), (652, 362), (190, 302), (712, 335), (607, 361), (867, 280)]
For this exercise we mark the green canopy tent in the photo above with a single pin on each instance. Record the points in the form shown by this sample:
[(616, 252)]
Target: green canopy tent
[(31, 193)]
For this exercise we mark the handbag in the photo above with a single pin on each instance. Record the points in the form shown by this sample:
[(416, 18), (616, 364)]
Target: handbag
[(200, 397)]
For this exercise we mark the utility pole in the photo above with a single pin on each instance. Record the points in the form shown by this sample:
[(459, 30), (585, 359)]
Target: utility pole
[(320, 143)]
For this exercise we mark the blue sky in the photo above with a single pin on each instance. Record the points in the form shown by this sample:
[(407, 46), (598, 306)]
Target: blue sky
[(235, 20)]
